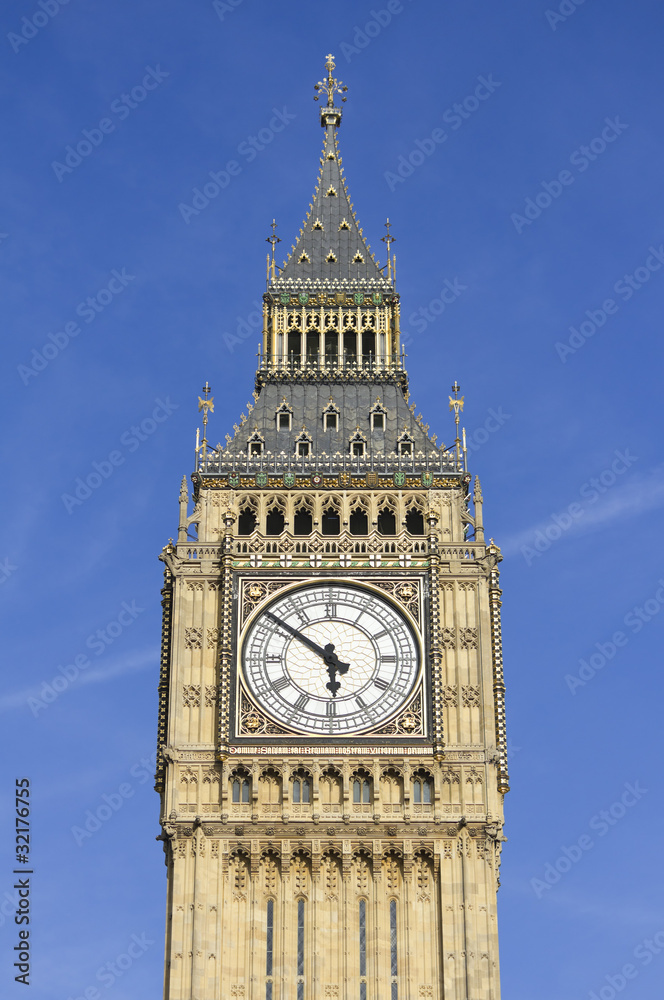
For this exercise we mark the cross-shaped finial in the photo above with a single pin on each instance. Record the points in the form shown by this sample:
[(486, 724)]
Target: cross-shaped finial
[(388, 238), (273, 239), (331, 86)]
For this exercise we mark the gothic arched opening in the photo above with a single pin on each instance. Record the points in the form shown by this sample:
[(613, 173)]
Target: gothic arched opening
[(274, 522), (387, 522), (302, 522), (359, 522), (415, 522), (246, 522)]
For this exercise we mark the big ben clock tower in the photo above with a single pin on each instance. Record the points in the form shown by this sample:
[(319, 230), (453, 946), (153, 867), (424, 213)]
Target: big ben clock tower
[(331, 748)]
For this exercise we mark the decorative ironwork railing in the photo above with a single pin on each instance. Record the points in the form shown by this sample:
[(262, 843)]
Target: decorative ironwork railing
[(221, 460)]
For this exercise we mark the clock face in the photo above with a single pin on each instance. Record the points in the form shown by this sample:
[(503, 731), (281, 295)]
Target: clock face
[(330, 659)]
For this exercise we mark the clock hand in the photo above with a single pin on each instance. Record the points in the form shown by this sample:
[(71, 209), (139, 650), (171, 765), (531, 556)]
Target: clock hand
[(334, 664), (298, 635)]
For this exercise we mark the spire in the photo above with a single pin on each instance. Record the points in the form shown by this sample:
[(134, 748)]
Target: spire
[(330, 251)]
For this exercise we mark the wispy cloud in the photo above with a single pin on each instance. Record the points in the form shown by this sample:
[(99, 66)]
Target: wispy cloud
[(139, 660), (642, 493)]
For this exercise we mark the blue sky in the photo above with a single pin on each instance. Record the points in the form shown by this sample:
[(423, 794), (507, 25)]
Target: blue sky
[(556, 257)]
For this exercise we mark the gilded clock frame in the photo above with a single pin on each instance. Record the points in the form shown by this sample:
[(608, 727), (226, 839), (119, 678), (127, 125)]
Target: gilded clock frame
[(276, 731)]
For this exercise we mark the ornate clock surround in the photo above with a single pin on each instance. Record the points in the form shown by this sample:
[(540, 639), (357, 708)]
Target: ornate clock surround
[(408, 724)]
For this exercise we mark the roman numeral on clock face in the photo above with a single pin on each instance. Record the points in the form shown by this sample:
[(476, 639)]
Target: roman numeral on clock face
[(380, 683), (280, 684), (301, 702)]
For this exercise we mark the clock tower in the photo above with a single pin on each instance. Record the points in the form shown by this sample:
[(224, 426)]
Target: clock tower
[(331, 746)]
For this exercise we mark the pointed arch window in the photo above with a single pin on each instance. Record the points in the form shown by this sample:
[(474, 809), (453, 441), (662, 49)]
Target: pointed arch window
[(241, 789), (301, 787), (361, 790), (422, 789)]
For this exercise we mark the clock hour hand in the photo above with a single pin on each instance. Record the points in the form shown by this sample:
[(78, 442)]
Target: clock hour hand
[(334, 664)]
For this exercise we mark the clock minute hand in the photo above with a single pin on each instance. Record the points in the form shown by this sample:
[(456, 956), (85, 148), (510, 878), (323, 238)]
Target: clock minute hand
[(334, 664), (298, 635)]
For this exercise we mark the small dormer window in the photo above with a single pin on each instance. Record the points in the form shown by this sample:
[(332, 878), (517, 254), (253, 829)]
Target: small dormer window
[(358, 258), (317, 224), (330, 259), (255, 444), (378, 414), (284, 416), (405, 443), (303, 258), (330, 156), (331, 192), (331, 416), (343, 224), (358, 444), (303, 444)]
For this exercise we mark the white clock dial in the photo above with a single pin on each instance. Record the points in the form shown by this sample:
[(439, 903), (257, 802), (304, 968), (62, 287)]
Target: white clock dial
[(330, 658)]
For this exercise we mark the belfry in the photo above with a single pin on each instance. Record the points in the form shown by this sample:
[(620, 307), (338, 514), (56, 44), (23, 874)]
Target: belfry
[(332, 757)]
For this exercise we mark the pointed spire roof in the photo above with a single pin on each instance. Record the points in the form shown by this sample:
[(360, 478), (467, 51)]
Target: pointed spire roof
[(330, 251)]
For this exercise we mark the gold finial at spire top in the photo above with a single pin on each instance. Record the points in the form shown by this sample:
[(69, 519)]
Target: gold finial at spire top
[(331, 86), (456, 404), (329, 115)]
